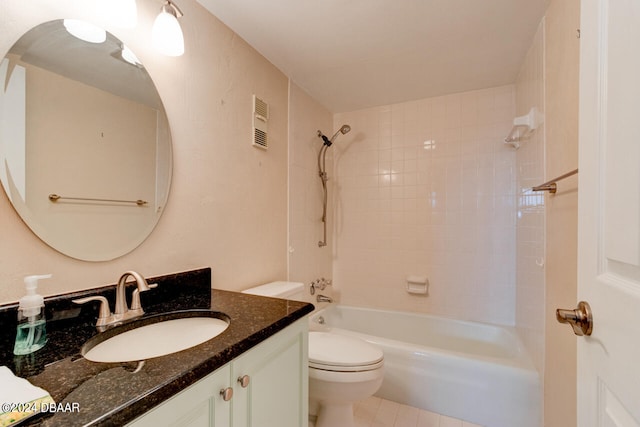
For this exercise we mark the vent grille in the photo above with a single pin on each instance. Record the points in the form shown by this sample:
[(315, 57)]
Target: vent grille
[(260, 123), (260, 138), (262, 108)]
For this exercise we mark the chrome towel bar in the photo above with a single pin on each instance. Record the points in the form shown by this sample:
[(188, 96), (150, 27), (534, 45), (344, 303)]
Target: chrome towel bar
[(550, 185), (55, 198)]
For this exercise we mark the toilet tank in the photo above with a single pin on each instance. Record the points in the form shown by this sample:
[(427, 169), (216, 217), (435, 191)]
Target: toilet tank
[(280, 289)]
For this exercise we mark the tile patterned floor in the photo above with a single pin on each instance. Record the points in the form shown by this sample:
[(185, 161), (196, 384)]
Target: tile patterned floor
[(377, 412)]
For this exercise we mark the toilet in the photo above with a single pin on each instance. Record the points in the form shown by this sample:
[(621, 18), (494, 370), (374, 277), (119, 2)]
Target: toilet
[(342, 369)]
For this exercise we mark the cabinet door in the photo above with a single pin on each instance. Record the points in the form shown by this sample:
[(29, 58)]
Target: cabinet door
[(277, 392), (200, 405)]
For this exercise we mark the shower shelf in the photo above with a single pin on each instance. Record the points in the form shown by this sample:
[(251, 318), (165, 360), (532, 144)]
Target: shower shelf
[(523, 127)]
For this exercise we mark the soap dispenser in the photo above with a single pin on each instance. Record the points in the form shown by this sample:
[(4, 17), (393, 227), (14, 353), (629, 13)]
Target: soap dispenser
[(31, 334)]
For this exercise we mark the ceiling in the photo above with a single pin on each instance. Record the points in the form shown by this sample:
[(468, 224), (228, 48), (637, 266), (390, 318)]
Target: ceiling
[(353, 54)]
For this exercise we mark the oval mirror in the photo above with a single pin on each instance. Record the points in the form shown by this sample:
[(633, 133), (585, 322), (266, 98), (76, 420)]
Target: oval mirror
[(85, 145)]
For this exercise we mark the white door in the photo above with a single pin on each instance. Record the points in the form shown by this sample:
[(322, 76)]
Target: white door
[(609, 213)]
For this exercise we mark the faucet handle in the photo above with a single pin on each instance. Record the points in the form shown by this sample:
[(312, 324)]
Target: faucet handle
[(319, 284), (135, 298), (312, 287), (104, 314)]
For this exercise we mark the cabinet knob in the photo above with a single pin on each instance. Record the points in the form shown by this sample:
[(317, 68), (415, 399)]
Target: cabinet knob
[(244, 380), (226, 393)]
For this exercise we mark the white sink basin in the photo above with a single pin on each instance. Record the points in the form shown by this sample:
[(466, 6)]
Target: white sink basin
[(153, 339)]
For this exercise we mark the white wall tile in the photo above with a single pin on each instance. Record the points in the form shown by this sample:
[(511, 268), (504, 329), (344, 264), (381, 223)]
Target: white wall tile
[(529, 171), (440, 208)]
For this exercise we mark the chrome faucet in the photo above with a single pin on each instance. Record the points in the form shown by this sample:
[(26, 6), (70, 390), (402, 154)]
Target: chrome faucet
[(121, 312), (121, 297), (319, 284)]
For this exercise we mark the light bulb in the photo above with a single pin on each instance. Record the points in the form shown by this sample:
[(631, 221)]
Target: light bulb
[(129, 56), (85, 31), (166, 32)]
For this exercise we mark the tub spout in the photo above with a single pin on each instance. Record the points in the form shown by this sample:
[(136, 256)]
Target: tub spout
[(323, 298)]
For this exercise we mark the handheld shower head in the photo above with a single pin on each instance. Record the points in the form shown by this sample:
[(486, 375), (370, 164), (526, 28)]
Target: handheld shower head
[(345, 129)]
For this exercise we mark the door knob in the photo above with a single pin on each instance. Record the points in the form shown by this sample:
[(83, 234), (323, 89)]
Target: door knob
[(580, 319)]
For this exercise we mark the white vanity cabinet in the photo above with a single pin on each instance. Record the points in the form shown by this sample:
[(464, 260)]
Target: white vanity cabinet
[(269, 386), (199, 405), (275, 388)]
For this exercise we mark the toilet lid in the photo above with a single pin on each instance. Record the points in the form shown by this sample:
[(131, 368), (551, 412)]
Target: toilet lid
[(334, 352)]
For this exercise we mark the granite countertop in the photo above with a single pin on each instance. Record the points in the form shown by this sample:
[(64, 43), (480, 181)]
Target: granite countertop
[(101, 394)]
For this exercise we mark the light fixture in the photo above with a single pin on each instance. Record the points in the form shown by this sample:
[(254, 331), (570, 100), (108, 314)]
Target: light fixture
[(130, 57), (85, 31), (166, 33)]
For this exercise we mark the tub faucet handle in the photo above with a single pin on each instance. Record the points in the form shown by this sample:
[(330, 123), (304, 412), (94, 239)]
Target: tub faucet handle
[(321, 284), (316, 284)]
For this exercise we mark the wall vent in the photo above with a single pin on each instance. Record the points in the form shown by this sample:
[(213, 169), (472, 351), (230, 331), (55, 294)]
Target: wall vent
[(260, 121)]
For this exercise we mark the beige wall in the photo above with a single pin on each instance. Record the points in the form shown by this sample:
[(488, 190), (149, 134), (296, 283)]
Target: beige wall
[(228, 203), (561, 155)]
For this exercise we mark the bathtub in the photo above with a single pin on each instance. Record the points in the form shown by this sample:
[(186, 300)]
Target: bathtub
[(472, 371)]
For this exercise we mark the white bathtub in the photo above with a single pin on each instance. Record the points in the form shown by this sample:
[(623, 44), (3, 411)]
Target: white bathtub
[(472, 371)]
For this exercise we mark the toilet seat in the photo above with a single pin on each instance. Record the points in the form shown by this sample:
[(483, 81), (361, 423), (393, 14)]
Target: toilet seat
[(340, 353)]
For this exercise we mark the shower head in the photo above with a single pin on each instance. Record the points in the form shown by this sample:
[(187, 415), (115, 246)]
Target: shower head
[(344, 129)]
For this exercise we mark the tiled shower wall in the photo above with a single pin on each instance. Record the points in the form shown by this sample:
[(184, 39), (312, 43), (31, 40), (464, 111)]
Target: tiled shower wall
[(427, 188), (530, 294)]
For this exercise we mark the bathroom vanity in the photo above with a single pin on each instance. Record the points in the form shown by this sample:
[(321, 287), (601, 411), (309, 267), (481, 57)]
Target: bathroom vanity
[(254, 373), (266, 386)]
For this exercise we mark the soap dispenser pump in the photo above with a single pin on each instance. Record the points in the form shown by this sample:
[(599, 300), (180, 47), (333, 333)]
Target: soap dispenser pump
[(31, 334)]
